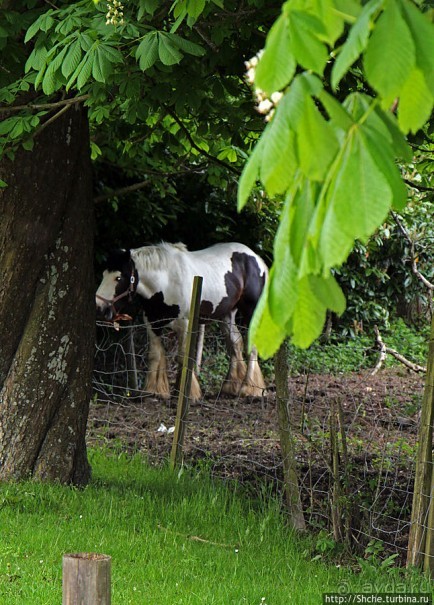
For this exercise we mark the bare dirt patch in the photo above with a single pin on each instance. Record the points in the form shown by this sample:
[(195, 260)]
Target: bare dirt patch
[(239, 439)]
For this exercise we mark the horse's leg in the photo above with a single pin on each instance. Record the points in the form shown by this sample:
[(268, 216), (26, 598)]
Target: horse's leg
[(254, 383), (199, 348), (180, 328), (156, 379), (237, 367)]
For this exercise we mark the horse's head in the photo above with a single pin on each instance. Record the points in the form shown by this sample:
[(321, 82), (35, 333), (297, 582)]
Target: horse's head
[(118, 285)]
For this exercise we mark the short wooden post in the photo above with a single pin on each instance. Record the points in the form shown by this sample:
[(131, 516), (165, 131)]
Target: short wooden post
[(186, 374), (86, 579)]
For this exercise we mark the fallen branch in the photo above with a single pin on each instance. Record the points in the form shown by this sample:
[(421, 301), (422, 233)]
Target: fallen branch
[(385, 350), (196, 538)]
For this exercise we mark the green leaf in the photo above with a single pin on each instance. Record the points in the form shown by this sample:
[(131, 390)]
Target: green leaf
[(186, 46), (283, 275), (3, 184), (390, 55), (168, 53), (339, 117), (355, 42), (86, 70), (249, 175), (37, 58), (383, 155), (18, 128), (309, 315), (316, 141), (278, 162), (147, 6), (291, 106), (147, 51), (7, 125), (316, 295), (113, 54), (101, 68), (34, 28), (422, 32), (28, 144), (308, 50), (302, 207), (328, 292), (331, 19), (86, 41), (47, 21), (401, 148), (194, 9), (357, 178), (50, 83), (72, 58), (39, 76), (277, 65), (363, 108), (415, 103), (264, 333)]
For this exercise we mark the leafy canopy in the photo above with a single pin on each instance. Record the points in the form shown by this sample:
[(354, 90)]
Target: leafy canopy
[(166, 98), (332, 158)]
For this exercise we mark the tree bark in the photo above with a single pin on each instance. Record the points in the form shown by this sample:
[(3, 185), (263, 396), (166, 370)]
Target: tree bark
[(47, 305), (287, 441)]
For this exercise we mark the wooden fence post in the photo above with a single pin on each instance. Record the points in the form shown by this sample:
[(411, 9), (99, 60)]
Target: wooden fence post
[(287, 443), (186, 374), (421, 534), (86, 579)]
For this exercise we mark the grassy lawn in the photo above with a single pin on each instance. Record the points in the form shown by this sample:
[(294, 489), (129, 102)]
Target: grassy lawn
[(173, 540)]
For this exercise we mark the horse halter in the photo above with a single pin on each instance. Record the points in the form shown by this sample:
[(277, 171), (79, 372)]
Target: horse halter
[(128, 292)]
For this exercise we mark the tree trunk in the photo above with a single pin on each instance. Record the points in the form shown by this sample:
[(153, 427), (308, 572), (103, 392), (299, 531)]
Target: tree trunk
[(47, 305), (287, 441), (423, 497)]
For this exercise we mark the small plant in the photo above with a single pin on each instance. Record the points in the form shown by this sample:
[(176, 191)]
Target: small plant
[(325, 546), (372, 557)]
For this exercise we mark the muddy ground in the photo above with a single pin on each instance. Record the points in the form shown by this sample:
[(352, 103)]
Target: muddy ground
[(239, 439)]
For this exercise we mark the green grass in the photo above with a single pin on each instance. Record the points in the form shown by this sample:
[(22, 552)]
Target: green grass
[(148, 521)]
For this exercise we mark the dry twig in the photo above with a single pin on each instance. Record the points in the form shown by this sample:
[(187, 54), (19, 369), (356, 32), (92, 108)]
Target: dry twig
[(196, 538), (384, 350)]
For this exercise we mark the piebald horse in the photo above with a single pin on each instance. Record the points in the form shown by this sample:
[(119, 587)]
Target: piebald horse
[(160, 278)]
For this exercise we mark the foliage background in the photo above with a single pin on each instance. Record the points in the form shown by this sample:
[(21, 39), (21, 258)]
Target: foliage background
[(173, 121)]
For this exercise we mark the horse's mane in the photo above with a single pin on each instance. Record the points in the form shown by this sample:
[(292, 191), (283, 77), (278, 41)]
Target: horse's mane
[(178, 245), (151, 256)]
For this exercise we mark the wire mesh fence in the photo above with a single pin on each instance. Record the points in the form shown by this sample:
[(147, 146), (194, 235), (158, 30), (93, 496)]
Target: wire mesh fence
[(355, 431)]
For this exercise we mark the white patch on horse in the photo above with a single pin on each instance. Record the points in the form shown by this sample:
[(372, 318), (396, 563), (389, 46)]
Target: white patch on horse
[(107, 287)]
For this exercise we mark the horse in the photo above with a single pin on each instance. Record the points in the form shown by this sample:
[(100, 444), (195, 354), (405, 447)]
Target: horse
[(160, 278)]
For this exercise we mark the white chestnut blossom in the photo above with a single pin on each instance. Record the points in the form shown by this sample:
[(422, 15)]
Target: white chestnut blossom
[(115, 13), (266, 105), (276, 96)]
